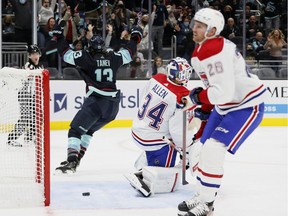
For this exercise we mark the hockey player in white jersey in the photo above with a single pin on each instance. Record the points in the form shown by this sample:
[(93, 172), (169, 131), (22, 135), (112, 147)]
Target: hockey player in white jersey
[(159, 118), (238, 98)]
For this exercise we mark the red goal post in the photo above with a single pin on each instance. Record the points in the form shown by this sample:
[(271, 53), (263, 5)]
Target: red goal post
[(24, 138)]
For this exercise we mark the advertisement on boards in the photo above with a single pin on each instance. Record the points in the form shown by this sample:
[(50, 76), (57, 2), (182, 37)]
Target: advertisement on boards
[(67, 98)]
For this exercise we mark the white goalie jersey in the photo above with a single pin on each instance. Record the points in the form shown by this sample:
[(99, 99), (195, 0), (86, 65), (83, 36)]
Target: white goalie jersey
[(159, 115)]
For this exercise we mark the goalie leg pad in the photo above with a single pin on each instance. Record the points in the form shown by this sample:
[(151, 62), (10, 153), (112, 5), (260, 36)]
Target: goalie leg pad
[(141, 161), (161, 179)]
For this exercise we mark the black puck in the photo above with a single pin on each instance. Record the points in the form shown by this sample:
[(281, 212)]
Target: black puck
[(86, 194)]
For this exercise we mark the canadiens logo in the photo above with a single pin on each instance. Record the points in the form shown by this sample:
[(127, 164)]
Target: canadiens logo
[(204, 78)]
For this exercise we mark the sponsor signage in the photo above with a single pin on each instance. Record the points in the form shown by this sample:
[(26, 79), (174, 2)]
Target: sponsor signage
[(67, 97)]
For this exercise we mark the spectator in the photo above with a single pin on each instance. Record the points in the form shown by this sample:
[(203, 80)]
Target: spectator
[(272, 11), (46, 11), (231, 30), (184, 36), (121, 18), (72, 19), (252, 27), (8, 8), (136, 67), (8, 29), (228, 12), (275, 43), (158, 66), (143, 46), (250, 53), (23, 20), (169, 29), (258, 42), (161, 16)]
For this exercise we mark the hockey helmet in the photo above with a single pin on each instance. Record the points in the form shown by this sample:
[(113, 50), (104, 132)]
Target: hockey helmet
[(212, 18), (179, 70), (33, 49), (97, 43)]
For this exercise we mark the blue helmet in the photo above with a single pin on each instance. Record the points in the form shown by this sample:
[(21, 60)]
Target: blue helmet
[(97, 43), (179, 70)]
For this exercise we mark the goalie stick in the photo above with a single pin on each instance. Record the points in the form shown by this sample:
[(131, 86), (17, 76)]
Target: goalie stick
[(184, 148)]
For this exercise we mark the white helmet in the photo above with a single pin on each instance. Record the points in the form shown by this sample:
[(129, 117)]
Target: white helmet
[(212, 18), (179, 70)]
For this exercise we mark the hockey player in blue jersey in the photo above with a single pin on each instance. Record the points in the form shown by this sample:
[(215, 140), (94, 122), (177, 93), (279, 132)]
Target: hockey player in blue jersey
[(238, 98), (98, 68)]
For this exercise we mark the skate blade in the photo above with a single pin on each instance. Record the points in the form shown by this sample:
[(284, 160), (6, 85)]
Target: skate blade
[(59, 172), (181, 213)]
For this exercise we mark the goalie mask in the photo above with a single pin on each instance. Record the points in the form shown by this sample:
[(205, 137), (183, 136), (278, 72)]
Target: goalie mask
[(179, 71)]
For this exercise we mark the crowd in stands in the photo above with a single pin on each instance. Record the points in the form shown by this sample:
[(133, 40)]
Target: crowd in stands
[(266, 27)]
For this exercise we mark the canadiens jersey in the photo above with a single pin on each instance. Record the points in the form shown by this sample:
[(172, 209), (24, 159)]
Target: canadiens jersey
[(158, 115), (229, 85)]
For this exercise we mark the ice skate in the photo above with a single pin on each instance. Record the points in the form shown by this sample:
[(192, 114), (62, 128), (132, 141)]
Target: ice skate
[(67, 167), (187, 205), (196, 208), (138, 184)]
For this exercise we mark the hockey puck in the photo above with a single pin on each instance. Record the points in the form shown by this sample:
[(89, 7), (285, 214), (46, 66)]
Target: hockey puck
[(86, 194)]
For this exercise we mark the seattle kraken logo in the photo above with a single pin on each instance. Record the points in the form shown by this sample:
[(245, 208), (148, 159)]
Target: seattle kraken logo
[(60, 102)]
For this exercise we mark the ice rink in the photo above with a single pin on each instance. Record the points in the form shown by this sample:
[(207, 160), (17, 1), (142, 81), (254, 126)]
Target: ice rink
[(254, 184)]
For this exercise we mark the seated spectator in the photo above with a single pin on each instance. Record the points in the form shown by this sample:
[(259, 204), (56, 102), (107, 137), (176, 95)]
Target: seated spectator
[(230, 29), (250, 53), (136, 68), (258, 42), (252, 27), (158, 66), (8, 29), (228, 12)]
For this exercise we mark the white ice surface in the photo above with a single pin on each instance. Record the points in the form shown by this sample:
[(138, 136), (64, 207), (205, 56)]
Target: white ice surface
[(254, 184)]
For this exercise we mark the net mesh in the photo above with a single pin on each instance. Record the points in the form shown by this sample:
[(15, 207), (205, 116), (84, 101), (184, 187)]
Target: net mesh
[(21, 138)]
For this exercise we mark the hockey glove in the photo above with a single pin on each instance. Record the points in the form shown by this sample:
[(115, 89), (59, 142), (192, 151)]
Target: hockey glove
[(187, 159), (203, 117), (58, 30), (136, 33), (192, 98)]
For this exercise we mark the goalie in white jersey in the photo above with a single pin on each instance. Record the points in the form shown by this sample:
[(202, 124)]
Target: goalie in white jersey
[(160, 115), (238, 98)]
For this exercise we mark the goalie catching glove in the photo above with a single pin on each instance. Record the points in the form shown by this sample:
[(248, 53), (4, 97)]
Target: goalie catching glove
[(136, 34)]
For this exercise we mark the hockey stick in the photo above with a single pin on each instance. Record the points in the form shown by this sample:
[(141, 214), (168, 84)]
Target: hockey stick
[(184, 147)]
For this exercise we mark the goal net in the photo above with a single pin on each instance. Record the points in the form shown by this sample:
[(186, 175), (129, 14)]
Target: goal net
[(24, 138)]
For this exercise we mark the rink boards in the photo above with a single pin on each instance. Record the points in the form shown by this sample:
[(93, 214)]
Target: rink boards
[(67, 97)]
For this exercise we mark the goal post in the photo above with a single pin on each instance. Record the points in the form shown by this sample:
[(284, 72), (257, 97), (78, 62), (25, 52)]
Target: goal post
[(24, 138)]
